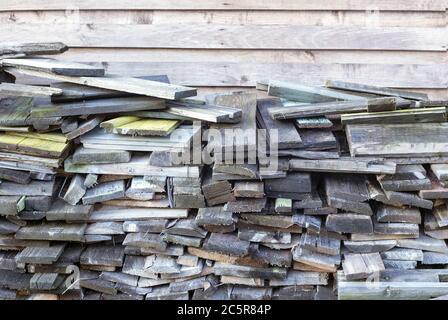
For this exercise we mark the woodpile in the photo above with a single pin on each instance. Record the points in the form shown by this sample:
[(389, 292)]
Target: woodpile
[(102, 195)]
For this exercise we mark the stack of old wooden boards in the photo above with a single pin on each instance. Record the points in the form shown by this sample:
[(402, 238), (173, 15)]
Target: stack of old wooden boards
[(102, 196)]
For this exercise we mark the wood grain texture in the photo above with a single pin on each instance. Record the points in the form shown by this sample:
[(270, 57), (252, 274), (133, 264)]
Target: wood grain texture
[(233, 36), (423, 139), (418, 5), (223, 73), (267, 17)]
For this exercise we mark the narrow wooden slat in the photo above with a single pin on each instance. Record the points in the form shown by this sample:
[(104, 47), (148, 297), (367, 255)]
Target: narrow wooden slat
[(55, 66), (89, 54), (233, 36), (375, 90), (124, 84), (423, 139), (265, 17), (383, 5)]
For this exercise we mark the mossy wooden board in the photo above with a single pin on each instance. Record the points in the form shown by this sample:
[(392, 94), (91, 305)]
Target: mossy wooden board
[(131, 125)]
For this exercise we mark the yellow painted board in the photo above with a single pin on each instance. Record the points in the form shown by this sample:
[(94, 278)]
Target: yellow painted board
[(33, 145), (131, 125), (56, 137), (116, 122)]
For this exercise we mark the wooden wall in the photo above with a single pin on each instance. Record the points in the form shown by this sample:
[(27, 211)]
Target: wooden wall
[(224, 44)]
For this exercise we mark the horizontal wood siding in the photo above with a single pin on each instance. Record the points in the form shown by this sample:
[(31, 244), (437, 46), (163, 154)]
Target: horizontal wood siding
[(229, 45)]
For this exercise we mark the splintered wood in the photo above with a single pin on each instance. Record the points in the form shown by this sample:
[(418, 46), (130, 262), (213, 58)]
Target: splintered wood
[(112, 182)]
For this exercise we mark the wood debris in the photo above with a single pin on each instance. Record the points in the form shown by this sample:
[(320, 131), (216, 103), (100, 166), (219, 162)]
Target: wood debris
[(101, 174)]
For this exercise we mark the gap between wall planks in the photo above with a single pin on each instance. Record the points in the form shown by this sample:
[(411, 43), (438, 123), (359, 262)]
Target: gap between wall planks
[(417, 5)]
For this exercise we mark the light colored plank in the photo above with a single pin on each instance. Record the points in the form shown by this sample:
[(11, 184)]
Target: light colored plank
[(88, 54), (374, 90), (247, 73), (267, 17), (138, 166), (124, 84), (423, 139), (55, 66), (129, 125), (398, 116), (233, 36), (418, 5), (111, 213), (28, 91)]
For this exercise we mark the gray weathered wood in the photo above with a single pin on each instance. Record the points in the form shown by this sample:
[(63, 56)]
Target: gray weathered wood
[(349, 223), (417, 139), (55, 66), (343, 165), (124, 84), (328, 108), (360, 266), (356, 87), (53, 232)]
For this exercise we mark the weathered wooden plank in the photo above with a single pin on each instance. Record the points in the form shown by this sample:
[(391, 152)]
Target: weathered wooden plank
[(53, 232), (370, 246), (204, 112), (94, 156), (131, 125), (395, 214), (420, 5), (287, 135), (403, 254), (55, 66), (424, 242), (441, 215), (124, 84), (343, 165), (328, 108), (180, 140), (245, 205), (250, 189), (349, 187), (320, 261), (111, 213), (34, 188), (398, 116), (347, 86), (27, 90), (33, 144), (104, 191), (361, 266), (391, 290), (138, 166), (349, 223), (60, 210), (302, 93), (228, 76), (320, 243), (224, 269), (417, 139), (100, 106), (235, 36), (40, 255), (224, 142), (227, 244), (31, 49), (103, 255)]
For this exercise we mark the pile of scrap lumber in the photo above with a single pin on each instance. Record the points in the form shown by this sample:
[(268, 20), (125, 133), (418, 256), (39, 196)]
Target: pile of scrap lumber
[(102, 195)]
